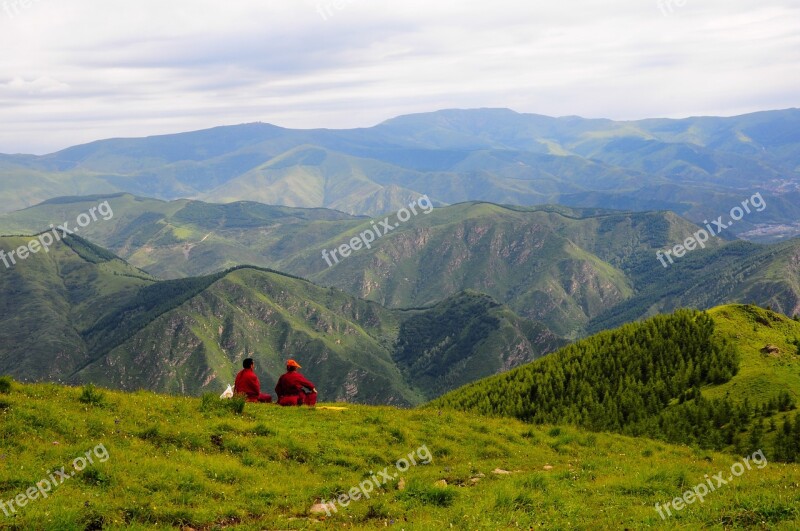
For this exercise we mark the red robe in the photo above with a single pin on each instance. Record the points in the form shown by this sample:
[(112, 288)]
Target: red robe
[(290, 390), (247, 384)]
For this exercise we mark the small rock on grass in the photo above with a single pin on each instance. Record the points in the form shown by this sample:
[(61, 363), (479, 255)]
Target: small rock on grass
[(322, 508), (440, 483), (500, 472)]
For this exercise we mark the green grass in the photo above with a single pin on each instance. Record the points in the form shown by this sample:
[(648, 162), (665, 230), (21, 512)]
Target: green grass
[(175, 461), (760, 375)]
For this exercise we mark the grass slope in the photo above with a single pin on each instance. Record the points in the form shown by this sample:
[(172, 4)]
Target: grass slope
[(200, 342), (171, 465), (761, 374)]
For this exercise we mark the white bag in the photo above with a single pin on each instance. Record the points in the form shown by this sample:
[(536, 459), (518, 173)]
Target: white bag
[(228, 393)]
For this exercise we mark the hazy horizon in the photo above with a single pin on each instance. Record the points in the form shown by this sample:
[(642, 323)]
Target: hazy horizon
[(168, 133), (90, 70)]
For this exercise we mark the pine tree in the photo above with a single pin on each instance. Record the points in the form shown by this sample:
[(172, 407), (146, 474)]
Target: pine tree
[(783, 442), (756, 442)]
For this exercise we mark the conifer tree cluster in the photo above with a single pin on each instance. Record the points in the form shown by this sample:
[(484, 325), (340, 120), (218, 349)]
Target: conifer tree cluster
[(642, 379)]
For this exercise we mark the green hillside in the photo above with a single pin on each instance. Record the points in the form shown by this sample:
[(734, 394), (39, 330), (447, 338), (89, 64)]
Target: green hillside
[(200, 342), (163, 462), (183, 238), (737, 272), (548, 263), (575, 270), (526, 258), (450, 344), (676, 377), (50, 297), (309, 176), (78, 314)]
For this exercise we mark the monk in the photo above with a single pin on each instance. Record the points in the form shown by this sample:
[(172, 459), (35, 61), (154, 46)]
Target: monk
[(294, 389), (247, 384)]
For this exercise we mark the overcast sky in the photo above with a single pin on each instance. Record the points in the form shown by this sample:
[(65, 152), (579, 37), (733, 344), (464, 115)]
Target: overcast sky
[(80, 70)]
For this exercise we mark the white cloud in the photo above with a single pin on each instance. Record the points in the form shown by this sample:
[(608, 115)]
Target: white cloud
[(41, 85), (87, 69)]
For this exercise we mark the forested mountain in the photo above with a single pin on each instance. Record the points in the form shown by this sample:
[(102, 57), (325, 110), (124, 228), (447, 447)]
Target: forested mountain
[(79, 314), (450, 344), (697, 167), (727, 379), (190, 238), (575, 270)]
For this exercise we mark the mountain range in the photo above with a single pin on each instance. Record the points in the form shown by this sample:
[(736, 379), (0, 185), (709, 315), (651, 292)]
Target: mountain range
[(184, 278), (574, 270), (80, 314), (698, 167)]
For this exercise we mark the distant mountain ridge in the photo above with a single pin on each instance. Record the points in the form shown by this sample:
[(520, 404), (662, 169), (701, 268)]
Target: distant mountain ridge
[(697, 167)]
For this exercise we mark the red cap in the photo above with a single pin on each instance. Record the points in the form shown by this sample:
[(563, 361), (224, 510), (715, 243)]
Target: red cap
[(292, 363)]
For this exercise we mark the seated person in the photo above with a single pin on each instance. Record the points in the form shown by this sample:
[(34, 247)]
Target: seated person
[(291, 387), (247, 383)]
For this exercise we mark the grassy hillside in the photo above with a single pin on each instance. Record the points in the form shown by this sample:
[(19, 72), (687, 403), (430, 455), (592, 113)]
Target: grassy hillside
[(737, 272), (523, 257), (678, 378), (309, 176), (165, 462), (344, 343), (347, 345), (188, 238), (761, 374)]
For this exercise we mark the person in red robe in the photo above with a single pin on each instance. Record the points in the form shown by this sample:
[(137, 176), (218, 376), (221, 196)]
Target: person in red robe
[(291, 388), (247, 384)]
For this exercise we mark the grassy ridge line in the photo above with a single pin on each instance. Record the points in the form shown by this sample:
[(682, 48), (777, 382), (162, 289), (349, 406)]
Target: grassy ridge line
[(151, 303), (171, 465)]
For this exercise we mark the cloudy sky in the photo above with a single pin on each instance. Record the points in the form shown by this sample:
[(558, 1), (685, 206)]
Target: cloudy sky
[(80, 70)]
